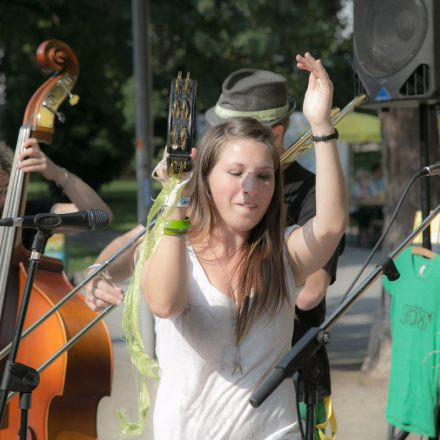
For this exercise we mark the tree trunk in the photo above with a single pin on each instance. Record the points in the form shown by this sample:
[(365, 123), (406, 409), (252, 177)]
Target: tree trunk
[(401, 148)]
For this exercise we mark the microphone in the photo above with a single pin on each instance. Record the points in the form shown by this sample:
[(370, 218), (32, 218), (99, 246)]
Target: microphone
[(88, 220), (431, 170)]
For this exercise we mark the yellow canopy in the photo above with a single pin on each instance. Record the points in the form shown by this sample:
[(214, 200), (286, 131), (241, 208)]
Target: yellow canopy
[(355, 128), (359, 128)]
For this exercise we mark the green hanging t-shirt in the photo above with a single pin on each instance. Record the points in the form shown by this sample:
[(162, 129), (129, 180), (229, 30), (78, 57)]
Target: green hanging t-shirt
[(415, 330)]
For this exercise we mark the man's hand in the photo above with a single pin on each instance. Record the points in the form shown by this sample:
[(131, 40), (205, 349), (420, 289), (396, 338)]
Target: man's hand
[(102, 292)]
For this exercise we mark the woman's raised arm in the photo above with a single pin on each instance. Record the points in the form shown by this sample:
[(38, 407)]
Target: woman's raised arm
[(311, 246)]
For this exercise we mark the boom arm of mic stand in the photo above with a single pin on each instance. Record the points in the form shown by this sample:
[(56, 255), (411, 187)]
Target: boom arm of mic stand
[(316, 337), (290, 363)]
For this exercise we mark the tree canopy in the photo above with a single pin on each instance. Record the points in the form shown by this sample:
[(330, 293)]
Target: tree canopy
[(209, 38)]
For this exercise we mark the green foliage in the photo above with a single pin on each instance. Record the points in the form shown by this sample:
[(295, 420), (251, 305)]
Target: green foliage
[(209, 38), (120, 195), (93, 143), (212, 38)]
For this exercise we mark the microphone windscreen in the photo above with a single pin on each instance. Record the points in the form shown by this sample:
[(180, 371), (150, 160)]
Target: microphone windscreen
[(98, 219)]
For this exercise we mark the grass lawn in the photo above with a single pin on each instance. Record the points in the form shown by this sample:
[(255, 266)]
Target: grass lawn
[(120, 195), (78, 258)]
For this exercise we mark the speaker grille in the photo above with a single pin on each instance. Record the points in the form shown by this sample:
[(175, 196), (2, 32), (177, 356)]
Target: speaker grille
[(417, 83), (359, 88), (388, 34)]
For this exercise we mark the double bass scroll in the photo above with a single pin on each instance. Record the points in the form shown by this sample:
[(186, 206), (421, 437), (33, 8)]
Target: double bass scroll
[(64, 405), (52, 56)]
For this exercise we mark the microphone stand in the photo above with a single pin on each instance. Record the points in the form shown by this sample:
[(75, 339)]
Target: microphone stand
[(18, 377), (317, 337)]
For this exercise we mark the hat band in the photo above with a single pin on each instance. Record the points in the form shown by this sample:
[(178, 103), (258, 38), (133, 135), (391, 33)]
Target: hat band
[(261, 115)]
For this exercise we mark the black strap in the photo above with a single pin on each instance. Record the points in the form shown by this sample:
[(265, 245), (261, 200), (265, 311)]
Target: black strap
[(334, 135)]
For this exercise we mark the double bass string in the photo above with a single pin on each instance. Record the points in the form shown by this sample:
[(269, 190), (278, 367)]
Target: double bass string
[(11, 209)]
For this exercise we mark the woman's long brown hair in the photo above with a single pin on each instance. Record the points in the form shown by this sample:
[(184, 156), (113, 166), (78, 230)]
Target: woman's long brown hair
[(261, 275)]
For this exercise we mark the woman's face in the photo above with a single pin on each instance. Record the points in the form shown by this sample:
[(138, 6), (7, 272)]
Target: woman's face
[(242, 184), (4, 180)]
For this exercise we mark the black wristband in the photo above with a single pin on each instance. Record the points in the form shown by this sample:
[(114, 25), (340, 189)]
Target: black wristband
[(334, 135)]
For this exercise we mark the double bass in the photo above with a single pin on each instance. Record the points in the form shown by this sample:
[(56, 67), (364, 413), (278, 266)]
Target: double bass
[(65, 403)]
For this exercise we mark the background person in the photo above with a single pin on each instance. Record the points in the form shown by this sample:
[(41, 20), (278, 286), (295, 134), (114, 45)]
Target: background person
[(378, 179), (365, 205), (379, 183)]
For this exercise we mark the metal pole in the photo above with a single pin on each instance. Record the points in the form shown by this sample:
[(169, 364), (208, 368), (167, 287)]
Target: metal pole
[(424, 115), (142, 76), (144, 136), (2, 96)]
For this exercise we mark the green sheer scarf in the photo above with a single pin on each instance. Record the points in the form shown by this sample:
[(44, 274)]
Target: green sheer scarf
[(146, 367)]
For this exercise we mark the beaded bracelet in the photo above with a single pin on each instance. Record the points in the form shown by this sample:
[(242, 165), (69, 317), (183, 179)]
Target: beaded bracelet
[(183, 202), (177, 227)]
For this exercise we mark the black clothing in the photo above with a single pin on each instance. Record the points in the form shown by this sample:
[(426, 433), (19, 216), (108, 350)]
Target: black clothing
[(299, 197), (34, 207)]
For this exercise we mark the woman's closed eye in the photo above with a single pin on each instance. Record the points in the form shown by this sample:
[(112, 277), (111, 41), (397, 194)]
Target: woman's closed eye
[(261, 176), (265, 176)]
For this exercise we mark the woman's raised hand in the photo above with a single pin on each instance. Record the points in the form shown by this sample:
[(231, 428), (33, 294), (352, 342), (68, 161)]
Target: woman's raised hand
[(319, 95), (160, 172)]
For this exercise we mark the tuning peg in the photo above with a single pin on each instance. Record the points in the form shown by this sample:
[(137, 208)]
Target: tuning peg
[(60, 116), (73, 99)]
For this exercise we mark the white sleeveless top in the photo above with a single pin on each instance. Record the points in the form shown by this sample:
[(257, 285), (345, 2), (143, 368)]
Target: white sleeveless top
[(206, 382)]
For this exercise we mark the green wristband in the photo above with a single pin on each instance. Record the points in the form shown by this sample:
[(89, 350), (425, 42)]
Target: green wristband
[(177, 227)]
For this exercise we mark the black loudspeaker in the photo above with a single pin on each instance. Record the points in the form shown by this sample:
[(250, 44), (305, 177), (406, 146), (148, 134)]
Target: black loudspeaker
[(397, 51)]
